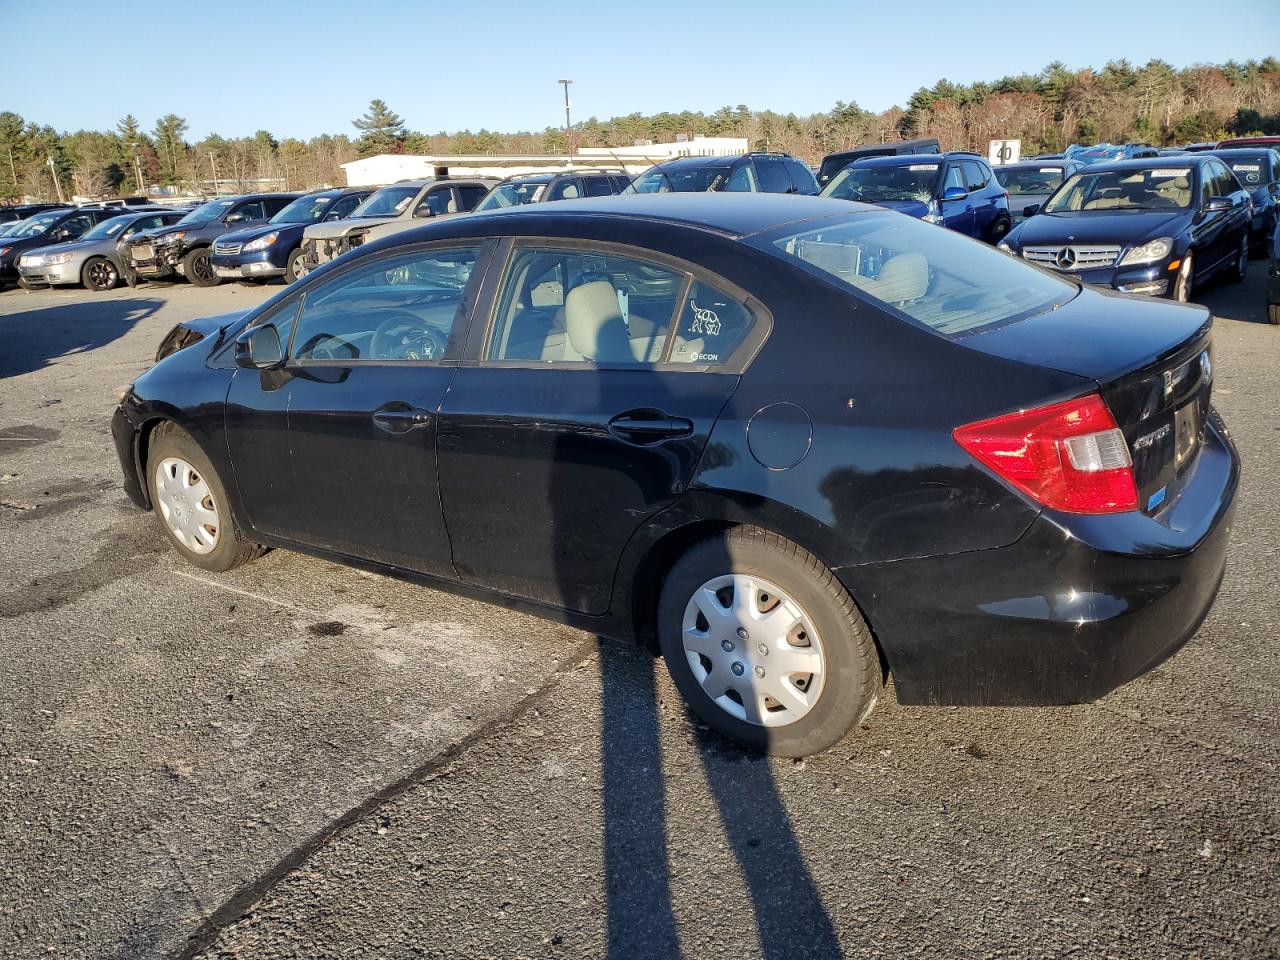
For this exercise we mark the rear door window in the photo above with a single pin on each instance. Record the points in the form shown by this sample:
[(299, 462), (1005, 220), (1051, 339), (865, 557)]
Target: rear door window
[(598, 186), (711, 326), (274, 205), (469, 195), (975, 178), (570, 305), (570, 188), (773, 175), (801, 176)]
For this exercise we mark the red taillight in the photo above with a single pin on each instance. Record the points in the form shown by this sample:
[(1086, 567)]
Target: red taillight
[(1068, 456)]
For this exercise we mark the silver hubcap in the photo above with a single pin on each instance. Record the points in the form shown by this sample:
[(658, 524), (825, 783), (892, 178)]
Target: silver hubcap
[(753, 650), (187, 505)]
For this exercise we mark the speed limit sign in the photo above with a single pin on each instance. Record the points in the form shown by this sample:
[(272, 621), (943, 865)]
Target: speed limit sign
[(1003, 151)]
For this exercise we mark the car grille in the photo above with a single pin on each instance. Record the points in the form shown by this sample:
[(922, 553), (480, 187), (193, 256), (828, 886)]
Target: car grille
[(226, 249), (141, 251), (1073, 257)]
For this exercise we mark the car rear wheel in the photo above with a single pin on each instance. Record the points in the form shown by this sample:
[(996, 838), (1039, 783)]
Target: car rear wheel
[(198, 270), (294, 268), (1182, 285), (765, 644), (190, 502), (99, 274), (1242, 261)]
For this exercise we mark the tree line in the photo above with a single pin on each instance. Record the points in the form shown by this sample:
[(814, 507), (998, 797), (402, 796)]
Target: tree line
[(1120, 103)]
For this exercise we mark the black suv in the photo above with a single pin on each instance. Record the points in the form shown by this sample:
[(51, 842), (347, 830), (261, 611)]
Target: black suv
[(747, 173), (184, 247), (24, 210), (544, 187)]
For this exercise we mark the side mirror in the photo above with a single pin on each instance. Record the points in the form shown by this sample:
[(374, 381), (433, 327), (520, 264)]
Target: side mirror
[(1217, 204), (259, 348), (237, 217), (954, 193), (423, 212), (1031, 210)]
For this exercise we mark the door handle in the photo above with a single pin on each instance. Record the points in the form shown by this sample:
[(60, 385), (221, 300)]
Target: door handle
[(649, 426), (400, 418)]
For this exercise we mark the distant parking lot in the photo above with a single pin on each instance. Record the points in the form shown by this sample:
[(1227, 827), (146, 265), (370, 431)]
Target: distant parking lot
[(300, 759)]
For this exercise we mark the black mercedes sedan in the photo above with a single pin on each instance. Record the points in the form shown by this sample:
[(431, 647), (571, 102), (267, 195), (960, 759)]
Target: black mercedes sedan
[(794, 444), (1159, 227)]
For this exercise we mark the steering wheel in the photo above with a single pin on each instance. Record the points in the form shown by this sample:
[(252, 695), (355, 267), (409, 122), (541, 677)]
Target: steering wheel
[(402, 336)]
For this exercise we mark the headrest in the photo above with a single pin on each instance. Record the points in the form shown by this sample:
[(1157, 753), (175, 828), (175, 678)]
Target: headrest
[(904, 277), (593, 321)]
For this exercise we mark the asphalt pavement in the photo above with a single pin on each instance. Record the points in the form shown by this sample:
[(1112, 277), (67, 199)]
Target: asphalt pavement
[(297, 759)]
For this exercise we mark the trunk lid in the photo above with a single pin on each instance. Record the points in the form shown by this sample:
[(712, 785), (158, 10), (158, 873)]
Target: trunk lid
[(1153, 363)]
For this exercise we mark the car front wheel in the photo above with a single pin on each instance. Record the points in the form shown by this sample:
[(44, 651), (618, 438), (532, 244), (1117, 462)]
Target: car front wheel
[(1242, 261), (190, 502), (99, 274), (197, 268), (1182, 285), (765, 644)]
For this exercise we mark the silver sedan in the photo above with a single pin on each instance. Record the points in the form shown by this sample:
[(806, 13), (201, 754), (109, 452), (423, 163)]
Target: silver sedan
[(94, 259)]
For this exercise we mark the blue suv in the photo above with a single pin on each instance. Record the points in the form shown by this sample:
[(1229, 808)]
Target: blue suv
[(957, 190), (274, 248)]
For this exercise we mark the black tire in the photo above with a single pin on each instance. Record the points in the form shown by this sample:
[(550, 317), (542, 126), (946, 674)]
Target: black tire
[(1241, 268), (1273, 313), (231, 548), (292, 265), (198, 270), (99, 274), (1000, 230), (852, 675)]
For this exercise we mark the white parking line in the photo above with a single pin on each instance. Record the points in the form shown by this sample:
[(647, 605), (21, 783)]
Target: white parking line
[(246, 593)]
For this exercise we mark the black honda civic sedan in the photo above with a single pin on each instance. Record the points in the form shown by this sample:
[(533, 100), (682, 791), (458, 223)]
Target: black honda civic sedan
[(1159, 227), (794, 444)]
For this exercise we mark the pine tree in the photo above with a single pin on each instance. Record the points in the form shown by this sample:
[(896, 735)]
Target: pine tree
[(381, 129)]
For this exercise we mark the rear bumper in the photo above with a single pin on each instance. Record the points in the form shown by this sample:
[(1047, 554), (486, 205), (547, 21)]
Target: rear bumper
[(1073, 610)]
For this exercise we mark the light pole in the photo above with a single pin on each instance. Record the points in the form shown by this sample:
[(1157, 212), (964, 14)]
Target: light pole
[(567, 149), (137, 169), (214, 164), (53, 171)]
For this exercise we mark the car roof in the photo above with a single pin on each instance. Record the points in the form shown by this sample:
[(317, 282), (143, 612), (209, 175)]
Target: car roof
[(1245, 151), (904, 159), (1147, 163), (731, 214), (532, 178), (701, 161), (1051, 162)]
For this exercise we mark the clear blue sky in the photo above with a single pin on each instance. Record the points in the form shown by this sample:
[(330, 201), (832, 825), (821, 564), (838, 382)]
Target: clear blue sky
[(300, 68)]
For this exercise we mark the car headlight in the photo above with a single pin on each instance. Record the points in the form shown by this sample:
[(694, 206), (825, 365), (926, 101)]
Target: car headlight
[(30, 261), (1005, 248), (261, 243), (1149, 252), (53, 258), (171, 237)]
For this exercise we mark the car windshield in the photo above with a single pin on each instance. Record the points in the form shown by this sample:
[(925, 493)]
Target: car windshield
[(34, 226), (512, 195), (1029, 181), (1101, 153), (905, 181), (208, 211), (1157, 188), (1250, 171), (938, 278), (108, 228), (678, 180), (387, 202), (303, 210)]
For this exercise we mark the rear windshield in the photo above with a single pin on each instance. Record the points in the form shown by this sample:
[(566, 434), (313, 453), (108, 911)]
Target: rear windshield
[(1253, 172), (1159, 188), (514, 194), (1029, 181), (678, 180), (906, 181), (387, 202), (938, 278)]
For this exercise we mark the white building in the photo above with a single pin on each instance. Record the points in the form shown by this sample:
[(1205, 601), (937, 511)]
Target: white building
[(390, 167)]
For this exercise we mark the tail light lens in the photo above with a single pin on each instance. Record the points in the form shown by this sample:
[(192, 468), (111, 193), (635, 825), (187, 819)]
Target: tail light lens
[(1067, 456)]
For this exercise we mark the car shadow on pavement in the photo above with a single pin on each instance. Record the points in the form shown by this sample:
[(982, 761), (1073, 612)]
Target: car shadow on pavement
[(641, 921), (34, 338)]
